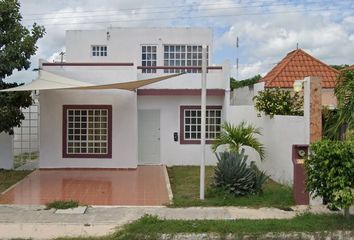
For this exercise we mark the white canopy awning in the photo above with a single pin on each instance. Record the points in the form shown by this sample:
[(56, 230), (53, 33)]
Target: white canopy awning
[(51, 81)]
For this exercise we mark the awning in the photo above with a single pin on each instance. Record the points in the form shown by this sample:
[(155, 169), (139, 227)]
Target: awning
[(51, 81)]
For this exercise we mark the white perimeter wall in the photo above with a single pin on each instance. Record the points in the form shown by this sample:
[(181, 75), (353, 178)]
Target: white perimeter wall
[(174, 153), (279, 134), (124, 131), (6, 151)]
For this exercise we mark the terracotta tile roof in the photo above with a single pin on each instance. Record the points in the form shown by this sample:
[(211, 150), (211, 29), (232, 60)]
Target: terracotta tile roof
[(297, 65)]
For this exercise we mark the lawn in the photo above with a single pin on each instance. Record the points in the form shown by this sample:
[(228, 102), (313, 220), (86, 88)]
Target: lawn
[(10, 177), (150, 227), (185, 187)]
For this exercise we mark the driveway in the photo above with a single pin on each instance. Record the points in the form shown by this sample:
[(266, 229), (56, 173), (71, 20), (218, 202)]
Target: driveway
[(144, 186)]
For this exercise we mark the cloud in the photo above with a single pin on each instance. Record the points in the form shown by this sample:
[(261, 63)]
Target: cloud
[(267, 29)]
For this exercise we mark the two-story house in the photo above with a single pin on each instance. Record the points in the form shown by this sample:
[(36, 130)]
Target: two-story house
[(159, 123)]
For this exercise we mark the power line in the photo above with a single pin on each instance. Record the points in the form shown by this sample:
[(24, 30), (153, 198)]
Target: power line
[(190, 8), (205, 16)]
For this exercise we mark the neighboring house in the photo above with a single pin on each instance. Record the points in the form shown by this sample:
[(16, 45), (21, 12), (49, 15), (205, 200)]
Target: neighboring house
[(296, 66), (156, 124), (349, 68)]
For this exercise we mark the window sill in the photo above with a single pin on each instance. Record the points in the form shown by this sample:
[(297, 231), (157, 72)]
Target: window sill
[(183, 141)]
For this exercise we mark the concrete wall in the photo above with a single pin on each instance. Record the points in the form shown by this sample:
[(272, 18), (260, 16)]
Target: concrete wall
[(171, 152), (6, 151), (278, 136), (124, 130)]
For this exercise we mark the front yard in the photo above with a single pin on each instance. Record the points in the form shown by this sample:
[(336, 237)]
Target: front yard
[(185, 187), (10, 177)]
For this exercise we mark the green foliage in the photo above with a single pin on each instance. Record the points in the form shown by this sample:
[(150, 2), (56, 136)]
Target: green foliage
[(62, 204), (278, 102), (330, 171), (238, 136), (17, 45), (345, 95), (243, 83), (233, 175), (339, 67)]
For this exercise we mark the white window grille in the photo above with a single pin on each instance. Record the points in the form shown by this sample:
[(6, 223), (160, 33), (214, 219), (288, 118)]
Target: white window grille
[(148, 58), (87, 131), (192, 124), (183, 56), (99, 50)]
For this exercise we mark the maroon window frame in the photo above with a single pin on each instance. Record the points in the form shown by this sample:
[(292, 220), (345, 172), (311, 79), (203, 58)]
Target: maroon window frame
[(65, 130), (181, 123)]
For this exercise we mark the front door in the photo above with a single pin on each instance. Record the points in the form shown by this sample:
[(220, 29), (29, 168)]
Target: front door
[(149, 137)]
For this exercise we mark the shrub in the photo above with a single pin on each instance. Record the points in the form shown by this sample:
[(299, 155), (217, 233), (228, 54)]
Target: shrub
[(62, 204), (330, 171), (232, 174), (234, 84), (278, 102)]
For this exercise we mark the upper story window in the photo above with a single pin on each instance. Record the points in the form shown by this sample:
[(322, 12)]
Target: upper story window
[(148, 58), (183, 55), (87, 131), (99, 50)]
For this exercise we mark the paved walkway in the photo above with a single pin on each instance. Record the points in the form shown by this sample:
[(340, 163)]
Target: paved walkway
[(34, 222)]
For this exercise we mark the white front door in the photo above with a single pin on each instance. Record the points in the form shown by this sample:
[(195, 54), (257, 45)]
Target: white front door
[(149, 136)]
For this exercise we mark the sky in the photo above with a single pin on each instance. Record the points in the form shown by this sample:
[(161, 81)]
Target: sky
[(267, 29)]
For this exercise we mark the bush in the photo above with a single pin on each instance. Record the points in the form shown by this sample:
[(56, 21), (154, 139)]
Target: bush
[(278, 102), (330, 171), (234, 84), (232, 174)]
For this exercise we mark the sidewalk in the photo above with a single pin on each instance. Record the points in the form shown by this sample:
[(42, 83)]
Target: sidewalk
[(34, 222)]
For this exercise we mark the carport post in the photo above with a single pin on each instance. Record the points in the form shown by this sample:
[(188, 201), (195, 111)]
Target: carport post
[(203, 114)]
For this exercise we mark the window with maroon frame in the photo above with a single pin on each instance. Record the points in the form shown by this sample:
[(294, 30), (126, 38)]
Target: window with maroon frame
[(87, 131), (190, 124)]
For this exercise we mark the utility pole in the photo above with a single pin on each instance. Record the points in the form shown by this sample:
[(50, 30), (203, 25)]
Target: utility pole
[(203, 116), (237, 58)]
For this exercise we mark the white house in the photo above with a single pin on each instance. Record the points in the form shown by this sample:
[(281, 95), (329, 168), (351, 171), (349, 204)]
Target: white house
[(156, 124)]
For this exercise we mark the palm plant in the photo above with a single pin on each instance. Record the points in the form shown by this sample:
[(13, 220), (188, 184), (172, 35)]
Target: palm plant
[(345, 95), (238, 136)]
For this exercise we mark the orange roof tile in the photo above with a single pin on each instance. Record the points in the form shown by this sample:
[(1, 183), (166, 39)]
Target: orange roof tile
[(297, 65)]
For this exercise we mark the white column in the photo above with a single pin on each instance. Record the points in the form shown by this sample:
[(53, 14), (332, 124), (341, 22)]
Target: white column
[(203, 114)]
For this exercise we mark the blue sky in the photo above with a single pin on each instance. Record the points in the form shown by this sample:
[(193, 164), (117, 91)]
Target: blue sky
[(267, 29)]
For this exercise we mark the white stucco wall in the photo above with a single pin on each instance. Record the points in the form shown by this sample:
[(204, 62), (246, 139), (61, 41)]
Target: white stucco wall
[(171, 152), (124, 44), (124, 131), (6, 151), (278, 136)]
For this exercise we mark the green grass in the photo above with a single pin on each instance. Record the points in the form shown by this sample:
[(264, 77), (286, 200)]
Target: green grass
[(149, 227), (185, 187), (10, 177), (62, 204)]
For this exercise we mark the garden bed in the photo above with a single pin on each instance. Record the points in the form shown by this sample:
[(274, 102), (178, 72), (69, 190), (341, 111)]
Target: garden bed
[(185, 187)]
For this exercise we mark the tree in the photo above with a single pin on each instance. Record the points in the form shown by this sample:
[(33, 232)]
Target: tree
[(278, 102), (238, 136), (234, 84), (17, 45)]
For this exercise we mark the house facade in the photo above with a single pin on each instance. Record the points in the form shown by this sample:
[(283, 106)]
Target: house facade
[(155, 124)]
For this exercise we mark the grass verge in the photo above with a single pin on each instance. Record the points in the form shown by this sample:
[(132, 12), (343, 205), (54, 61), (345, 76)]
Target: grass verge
[(185, 187), (150, 227), (62, 204), (10, 177)]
